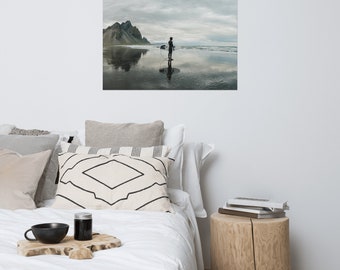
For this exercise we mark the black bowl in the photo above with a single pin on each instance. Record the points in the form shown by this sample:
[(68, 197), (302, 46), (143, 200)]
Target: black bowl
[(48, 233)]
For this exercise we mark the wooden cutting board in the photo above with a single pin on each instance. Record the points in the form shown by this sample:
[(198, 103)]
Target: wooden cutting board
[(74, 249)]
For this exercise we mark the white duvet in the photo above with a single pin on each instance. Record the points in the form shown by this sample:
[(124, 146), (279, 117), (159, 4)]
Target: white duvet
[(150, 240)]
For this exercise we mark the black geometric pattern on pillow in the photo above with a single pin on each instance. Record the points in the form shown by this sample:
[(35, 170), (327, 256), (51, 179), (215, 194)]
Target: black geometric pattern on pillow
[(112, 181)]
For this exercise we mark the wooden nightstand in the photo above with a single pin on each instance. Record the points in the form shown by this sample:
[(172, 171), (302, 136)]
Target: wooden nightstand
[(240, 243)]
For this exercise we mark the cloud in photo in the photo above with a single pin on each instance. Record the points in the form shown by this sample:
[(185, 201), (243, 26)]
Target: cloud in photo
[(197, 22)]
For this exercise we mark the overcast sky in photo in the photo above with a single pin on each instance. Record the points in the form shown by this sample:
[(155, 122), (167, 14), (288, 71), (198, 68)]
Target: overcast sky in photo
[(199, 22)]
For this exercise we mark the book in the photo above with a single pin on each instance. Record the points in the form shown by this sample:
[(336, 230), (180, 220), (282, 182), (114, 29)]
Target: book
[(250, 212), (254, 208), (254, 202)]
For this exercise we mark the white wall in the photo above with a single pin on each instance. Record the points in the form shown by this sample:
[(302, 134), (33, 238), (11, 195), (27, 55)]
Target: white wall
[(277, 136)]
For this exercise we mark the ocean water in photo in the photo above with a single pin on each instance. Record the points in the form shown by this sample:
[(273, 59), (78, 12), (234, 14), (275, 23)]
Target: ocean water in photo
[(192, 68)]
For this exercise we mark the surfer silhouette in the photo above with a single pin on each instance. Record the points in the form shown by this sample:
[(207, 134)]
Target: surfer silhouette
[(169, 71), (171, 47)]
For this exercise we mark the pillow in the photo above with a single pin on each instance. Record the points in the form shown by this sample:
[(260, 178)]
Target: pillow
[(26, 145), (80, 137), (99, 134), (30, 132), (154, 151), (112, 181), (195, 155), (19, 177), (174, 138)]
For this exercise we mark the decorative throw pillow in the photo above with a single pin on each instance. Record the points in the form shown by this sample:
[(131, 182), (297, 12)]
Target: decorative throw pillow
[(195, 155), (98, 134), (112, 181), (153, 151), (173, 137), (26, 145), (19, 176)]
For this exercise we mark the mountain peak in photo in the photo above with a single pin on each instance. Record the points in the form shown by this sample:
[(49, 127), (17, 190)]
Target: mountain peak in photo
[(123, 34)]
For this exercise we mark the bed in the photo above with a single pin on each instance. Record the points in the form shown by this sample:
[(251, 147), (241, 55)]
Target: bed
[(155, 221), (150, 240)]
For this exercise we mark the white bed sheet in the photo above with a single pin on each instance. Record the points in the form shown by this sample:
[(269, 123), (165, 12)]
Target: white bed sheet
[(150, 240)]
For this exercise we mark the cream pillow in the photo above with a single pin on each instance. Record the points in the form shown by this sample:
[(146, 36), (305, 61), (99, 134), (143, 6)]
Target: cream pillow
[(26, 145), (112, 181), (19, 177)]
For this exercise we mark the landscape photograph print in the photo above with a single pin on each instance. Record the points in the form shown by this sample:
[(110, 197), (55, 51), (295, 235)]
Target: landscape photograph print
[(170, 45)]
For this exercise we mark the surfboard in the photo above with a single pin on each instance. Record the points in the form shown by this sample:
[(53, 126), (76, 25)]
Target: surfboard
[(165, 47)]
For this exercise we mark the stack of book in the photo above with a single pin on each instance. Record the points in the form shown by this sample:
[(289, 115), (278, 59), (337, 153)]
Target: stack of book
[(254, 208)]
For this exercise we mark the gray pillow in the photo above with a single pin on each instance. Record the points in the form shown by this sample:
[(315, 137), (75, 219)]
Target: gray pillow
[(26, 145), (98, 134)]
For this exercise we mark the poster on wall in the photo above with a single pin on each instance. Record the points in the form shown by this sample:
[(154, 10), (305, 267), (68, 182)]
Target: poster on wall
[(170, 45)]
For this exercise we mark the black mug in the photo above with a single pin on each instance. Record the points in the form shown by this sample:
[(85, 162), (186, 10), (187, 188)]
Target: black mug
[(48, 233)]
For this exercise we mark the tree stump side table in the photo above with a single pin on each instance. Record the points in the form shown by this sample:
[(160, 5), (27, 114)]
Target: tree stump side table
[(241, 243)]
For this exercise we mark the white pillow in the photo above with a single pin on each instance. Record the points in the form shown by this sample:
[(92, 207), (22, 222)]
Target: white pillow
[(112, 181), (194, 156), (80, 136), (174, 138)]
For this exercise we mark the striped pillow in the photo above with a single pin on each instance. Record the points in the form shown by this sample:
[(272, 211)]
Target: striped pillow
[(112, 181), (153, 151)]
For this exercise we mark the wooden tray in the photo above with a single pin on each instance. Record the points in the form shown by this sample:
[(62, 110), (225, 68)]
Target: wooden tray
[(74, 249)]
